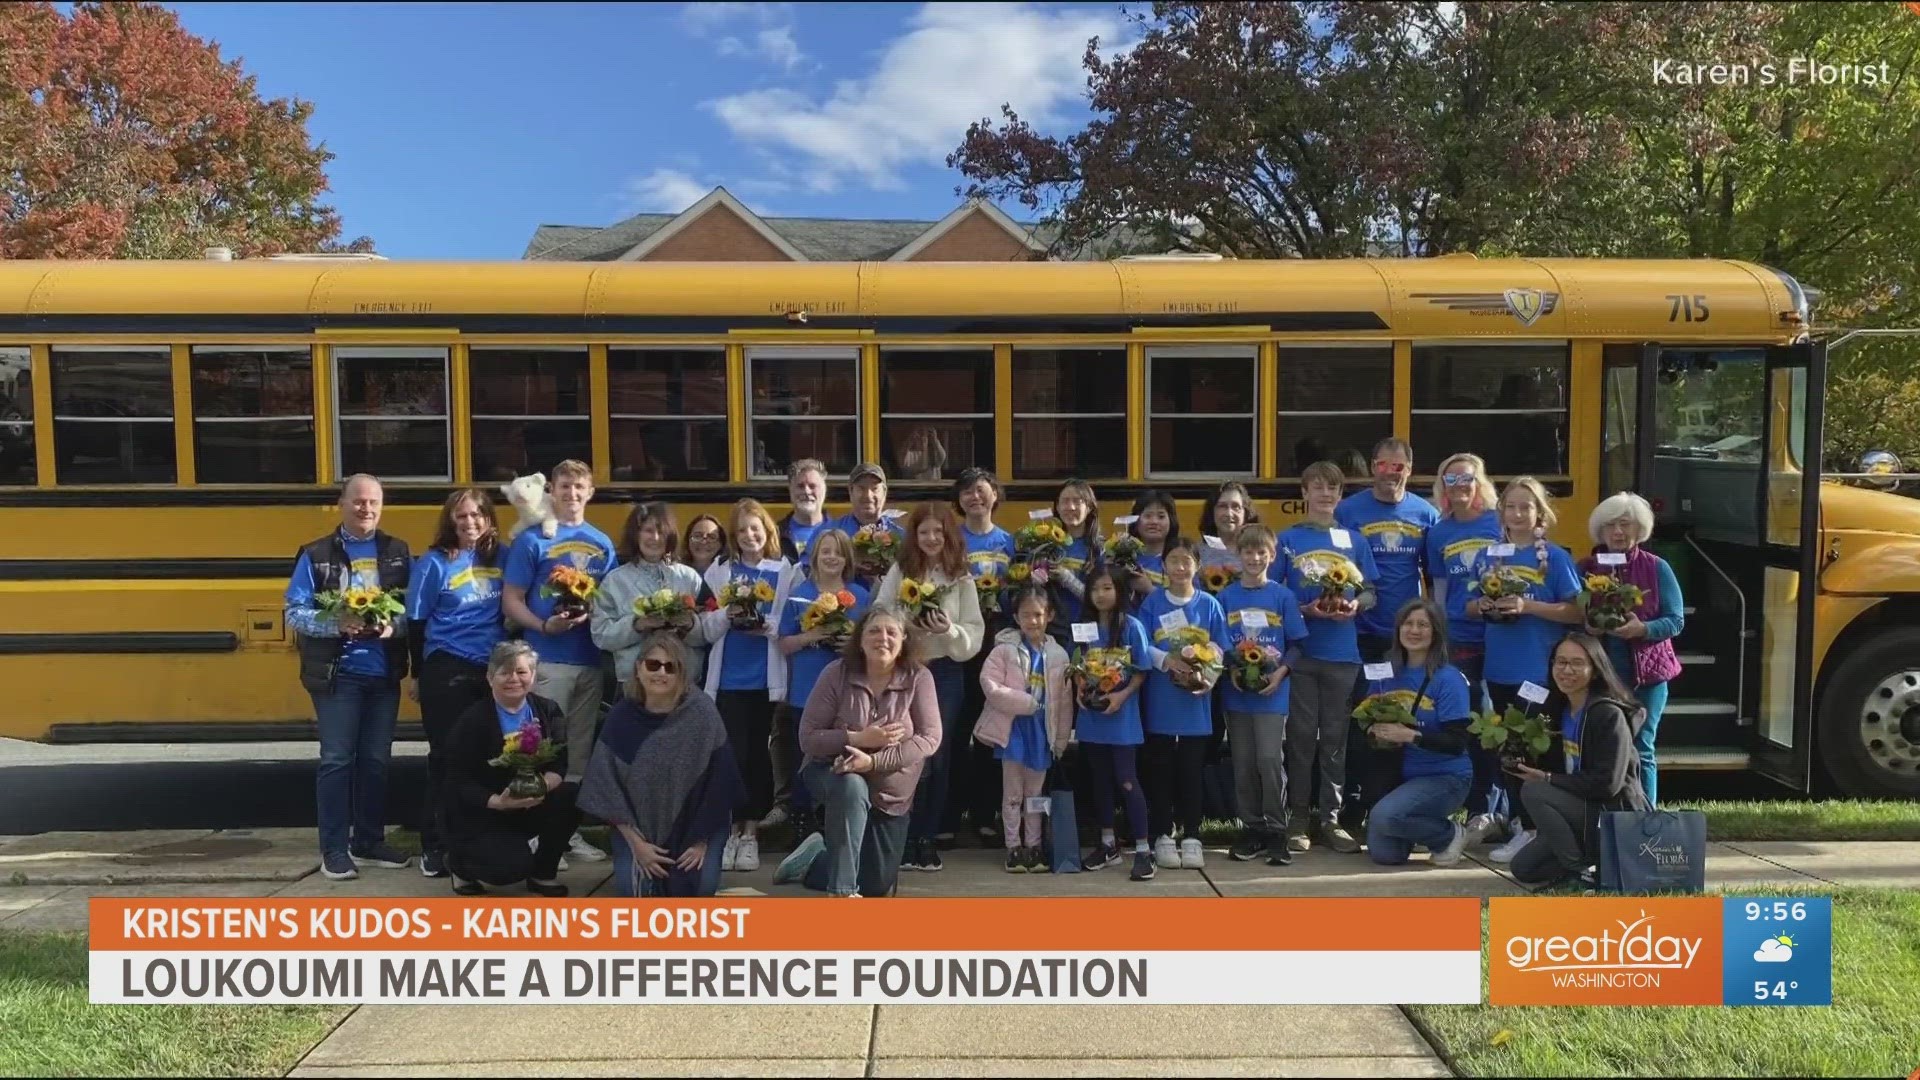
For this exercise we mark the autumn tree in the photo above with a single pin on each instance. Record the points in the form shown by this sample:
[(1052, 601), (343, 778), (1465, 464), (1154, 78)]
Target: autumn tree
[(124, 136)]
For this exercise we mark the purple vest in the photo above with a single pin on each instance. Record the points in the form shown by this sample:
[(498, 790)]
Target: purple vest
[(1653, 661)]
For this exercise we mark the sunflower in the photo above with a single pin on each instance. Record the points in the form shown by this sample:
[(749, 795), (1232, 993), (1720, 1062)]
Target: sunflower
[(1019, 573), (1216, 578), (580, 589), (987, 583), (1337, 575), (762, 592), (1596, 582), (909, 591), (359, 599), (1250, 652)]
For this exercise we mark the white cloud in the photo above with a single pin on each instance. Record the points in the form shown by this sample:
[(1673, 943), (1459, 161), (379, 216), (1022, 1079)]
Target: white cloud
[(665, 191), (956, 64), (1773, 951), (762, 30)]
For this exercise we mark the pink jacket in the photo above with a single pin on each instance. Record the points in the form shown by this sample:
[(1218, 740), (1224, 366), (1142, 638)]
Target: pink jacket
[(1004, 680), (845, 701)]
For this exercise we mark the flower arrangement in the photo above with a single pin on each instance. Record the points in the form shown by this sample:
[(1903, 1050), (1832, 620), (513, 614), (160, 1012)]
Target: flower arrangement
[(675, 609), (1518, 736), (1193, 645), (1609, 603), (988, 585), (831, 612), (875, 547), (376, 609), (1334, 582), (1122, 551), (922, 596), (525, 751), (1098, 673), (1497, 583), (572, 590), (1253, 664), (1019, 574), (1041, 541), (1388, 707), (1217, 577), (743, 598)]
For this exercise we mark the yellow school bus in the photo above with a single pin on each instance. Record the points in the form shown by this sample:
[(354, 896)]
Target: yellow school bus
[(174, 430)]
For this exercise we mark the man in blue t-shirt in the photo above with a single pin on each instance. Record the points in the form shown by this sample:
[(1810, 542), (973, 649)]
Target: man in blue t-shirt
[(352, 666), (807, 493), (570, 671), (867, 494), (1395, 526)]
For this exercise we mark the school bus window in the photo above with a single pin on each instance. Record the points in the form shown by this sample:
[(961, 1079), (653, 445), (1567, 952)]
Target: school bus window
[(1619, 416), (936, 411), (1507, 403), (113, 414), (1333, 399), (1070, 413), (804, 403), (531, 411), (1200, 410), (392, 412), (252, 414), (669, 413), (18, 465)]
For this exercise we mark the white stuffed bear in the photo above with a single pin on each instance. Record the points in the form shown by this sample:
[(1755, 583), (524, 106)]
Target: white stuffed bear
[(528, 497)]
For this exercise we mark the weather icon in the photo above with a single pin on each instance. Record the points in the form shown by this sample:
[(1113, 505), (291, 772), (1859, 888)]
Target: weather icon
[(1775, 950)]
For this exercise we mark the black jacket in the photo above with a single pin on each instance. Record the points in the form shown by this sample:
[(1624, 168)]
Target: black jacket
[(471, 781), (328, 560), (1609, 775)]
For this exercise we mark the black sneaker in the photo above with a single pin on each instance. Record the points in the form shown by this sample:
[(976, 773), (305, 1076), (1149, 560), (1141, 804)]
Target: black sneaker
[(1016, 860), (1036, 863), (381, 855), (1278, 855), (433, 864), (930, 858), (1142, 866), (546, 888), (462, 887), (337, 866), (915, 856), (1102, 857), (1248, 848)]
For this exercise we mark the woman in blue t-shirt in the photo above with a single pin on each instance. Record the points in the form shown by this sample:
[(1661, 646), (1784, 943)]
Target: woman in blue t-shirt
[(975, 787), (1433, 771), (808, 652), (1470, 525)]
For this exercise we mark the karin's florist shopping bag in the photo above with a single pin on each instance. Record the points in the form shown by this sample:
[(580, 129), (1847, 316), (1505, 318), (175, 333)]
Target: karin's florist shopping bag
[(1063, 827), (1653, 851)]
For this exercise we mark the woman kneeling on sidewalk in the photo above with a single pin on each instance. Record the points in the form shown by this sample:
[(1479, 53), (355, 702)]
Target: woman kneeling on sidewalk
[(488, 830), (664, 777), (870, 724), (1431, 771)]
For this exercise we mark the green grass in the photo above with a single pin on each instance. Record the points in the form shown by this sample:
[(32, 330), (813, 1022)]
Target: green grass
[(1832, 820), (48, 1028), (1872, 1028)]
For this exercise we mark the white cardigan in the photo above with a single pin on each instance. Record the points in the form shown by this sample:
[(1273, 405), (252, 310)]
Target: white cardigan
[(961, 603), (715, 626)]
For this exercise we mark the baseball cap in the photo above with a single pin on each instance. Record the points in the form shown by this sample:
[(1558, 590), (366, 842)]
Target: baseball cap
[(865, 470)]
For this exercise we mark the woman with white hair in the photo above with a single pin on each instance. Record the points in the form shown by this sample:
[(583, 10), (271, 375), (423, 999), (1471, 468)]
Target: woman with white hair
[(1641, 649)]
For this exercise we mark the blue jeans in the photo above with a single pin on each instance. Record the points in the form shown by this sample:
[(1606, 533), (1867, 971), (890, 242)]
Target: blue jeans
[(356, 719), (708, 882), (1416, 812), (930, 799), (1655, 699), (864, 845)]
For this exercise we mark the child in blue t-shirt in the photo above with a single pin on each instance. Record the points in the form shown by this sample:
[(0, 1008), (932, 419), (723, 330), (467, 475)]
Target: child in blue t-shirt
[(808, 652), (1179, 708), (1107, 720), (1266, 614)]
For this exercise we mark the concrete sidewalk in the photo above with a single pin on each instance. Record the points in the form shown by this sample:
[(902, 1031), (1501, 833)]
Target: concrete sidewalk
[(53, 875)]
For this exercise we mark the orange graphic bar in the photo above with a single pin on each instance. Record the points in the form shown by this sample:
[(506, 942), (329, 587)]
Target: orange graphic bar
[(786, 924)]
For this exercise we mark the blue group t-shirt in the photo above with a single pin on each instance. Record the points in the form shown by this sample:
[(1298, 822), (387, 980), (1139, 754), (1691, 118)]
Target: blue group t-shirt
[(1123, 727), (511, 722), (990, 552), (1519, 651), (1453, 550), (1307, 547), (1282, 628), (1571, 724), (1169, 709), (851, 525), (359, 656), (1396, 536), (743, 659), (529, 562), (804, 667), (802, 536), (1442, 702), (1073, 560), (458, 598)]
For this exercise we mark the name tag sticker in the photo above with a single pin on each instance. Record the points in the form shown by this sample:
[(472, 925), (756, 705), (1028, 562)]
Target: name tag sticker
[(1039, 804), (1086, 633), (1173, 620), (1215, 542), (1533, 692), (892, 514), (1126, 519), (1500, 551), (771, 566), (1612, 558), (1253, 619), (1043, 512), (1341, 538), (1379, 671)]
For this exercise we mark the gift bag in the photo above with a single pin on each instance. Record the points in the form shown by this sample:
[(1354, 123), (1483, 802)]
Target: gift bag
[(1653, 851), (1062, 825)]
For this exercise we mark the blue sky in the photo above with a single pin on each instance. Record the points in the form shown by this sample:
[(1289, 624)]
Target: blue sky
[(458, 128)]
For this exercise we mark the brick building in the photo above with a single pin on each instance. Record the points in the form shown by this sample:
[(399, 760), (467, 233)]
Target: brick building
[(719, 228)]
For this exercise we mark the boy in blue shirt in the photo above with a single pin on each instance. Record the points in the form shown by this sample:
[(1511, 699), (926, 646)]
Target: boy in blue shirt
[(1265, 612), (570, 671)]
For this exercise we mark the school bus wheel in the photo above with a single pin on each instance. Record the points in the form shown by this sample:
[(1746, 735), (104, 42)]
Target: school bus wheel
[(1869, 719)]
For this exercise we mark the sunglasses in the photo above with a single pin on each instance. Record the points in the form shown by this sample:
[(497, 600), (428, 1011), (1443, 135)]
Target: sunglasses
[(1390, 468), (709, 536), (667, 666), (1458, 479)]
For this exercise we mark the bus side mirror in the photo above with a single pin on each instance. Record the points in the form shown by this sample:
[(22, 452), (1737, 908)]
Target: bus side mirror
[(1879, 469)]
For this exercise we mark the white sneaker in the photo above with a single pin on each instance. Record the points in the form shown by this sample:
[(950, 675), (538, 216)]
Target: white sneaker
[(775, 818), (1165, 855), (1192, 855), (585, 852), (730, 855), (1505, 852), (1480, 826), (1455, 850), (746, 857), (795, 866), (563, 865)]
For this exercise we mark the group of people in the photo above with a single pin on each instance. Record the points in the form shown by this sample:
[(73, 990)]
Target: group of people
[(776, 671)]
